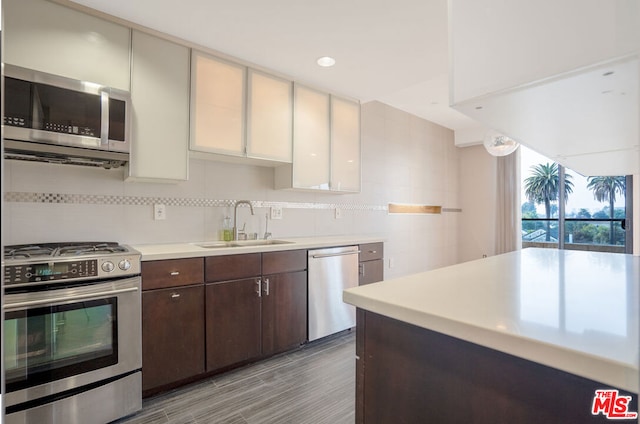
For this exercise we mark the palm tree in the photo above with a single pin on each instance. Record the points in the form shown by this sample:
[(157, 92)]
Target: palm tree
[(605, 189), (543, 186)]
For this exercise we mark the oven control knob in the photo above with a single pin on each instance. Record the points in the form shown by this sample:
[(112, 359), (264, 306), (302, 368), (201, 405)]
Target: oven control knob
[(108, 266), (124, 264)]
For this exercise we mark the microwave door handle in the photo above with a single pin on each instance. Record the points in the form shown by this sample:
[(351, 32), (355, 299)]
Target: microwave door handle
[(37, 114), (104, 121), (65, 299)]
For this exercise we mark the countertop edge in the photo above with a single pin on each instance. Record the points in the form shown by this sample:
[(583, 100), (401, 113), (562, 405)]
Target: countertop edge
[(181, 250), (575, 362)]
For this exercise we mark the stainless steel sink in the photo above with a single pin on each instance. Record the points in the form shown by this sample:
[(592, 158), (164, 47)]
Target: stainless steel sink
[(240, 243)]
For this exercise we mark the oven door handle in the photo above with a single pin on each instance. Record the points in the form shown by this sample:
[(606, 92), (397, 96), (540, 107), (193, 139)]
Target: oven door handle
[(109, 293)]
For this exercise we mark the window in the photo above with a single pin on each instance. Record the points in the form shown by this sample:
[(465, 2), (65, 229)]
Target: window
[(566, 210)]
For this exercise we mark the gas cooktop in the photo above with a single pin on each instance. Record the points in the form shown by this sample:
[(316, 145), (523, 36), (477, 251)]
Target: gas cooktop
[(52, 250)]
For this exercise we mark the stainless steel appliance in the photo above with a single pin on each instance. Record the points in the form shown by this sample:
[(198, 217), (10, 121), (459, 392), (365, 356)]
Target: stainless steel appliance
[(72, 333), (57, 119), (330, 272)]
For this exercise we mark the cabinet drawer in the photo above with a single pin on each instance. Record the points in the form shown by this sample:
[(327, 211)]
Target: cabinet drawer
[(172, 273), (371, 251), (232, 267), (287, 261)]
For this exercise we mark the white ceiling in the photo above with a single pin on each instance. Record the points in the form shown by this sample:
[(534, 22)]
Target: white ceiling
[(395, 52)]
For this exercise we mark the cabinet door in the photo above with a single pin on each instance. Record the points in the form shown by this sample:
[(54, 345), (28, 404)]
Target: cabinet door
[(371, 272), (345, 145), (232, 322), (172, 335), (311, 139), (269, 117), (284, 311), (42, 35), (160, 101), (217, 105)]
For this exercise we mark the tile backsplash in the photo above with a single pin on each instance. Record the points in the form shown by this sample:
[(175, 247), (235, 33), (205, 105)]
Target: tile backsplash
[(405, 159)]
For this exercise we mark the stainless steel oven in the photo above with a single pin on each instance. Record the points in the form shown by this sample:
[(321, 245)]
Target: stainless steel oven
[(72, 333)]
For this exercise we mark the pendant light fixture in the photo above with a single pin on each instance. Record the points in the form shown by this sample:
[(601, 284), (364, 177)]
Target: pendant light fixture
[(499, 144)]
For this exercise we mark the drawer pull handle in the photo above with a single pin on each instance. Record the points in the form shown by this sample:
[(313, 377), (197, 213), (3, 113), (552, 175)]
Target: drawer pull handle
[(174, 273), (373, 251), (175, 295)]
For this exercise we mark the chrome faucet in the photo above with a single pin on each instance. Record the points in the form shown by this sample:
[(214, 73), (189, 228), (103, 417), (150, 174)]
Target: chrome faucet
[(267, 234), (235, 216)]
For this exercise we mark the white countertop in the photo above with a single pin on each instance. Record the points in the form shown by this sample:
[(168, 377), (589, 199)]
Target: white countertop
[(574, 311), (151, 252)]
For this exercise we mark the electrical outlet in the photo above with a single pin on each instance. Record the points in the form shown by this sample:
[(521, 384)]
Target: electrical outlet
[(338, 213), (159, 211), (392, 262), (276, 212)]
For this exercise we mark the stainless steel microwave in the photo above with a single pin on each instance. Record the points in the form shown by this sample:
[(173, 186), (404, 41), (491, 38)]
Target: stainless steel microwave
[(55, 117)]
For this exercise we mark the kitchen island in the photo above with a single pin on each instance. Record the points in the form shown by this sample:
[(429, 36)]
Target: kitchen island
[(522, 337)]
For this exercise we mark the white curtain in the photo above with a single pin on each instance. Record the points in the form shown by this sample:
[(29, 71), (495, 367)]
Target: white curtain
[(508, 212)]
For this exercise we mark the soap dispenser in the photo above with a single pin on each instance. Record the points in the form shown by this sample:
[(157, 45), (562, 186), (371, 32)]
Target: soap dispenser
[(227, 231)]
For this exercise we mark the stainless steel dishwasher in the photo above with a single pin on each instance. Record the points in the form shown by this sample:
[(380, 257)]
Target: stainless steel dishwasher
[(330, 272)]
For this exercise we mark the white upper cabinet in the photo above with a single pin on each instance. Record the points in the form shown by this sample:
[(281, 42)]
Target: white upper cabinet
[(217, 105), (48, 37), (345, 145), (326, 144), (312, 139), (240, 112), (269, 117), (160, 102)]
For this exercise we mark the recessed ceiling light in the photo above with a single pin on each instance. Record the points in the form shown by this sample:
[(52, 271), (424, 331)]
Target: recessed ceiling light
[(326, 61)]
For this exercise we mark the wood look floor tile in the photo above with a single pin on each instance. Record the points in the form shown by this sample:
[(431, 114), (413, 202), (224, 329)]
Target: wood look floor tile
[(311, 385)]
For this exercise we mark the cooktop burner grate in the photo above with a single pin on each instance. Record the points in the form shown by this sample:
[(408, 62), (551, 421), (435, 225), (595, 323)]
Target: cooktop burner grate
[(87, 249), (27, 251)]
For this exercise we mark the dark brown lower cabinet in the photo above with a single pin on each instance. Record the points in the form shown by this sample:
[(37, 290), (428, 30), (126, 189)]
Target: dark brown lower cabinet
[(371, 267), (284, 312), (255, 317), (408, 374), (371, 272), (172, 335), (206, 315), (233, 322)]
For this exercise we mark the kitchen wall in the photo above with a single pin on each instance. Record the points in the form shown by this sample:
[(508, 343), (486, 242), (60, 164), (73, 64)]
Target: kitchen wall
[(405, 160), (478, 174)]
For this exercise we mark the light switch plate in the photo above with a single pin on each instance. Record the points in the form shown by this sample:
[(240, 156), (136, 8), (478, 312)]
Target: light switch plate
[(159, 211), (338, 213), (276, 212)]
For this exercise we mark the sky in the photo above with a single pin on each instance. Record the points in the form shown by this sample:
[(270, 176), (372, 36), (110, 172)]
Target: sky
[(581, 196)]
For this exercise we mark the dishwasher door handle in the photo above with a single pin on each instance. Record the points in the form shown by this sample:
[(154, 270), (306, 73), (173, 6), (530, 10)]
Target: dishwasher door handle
[(329, 255)]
